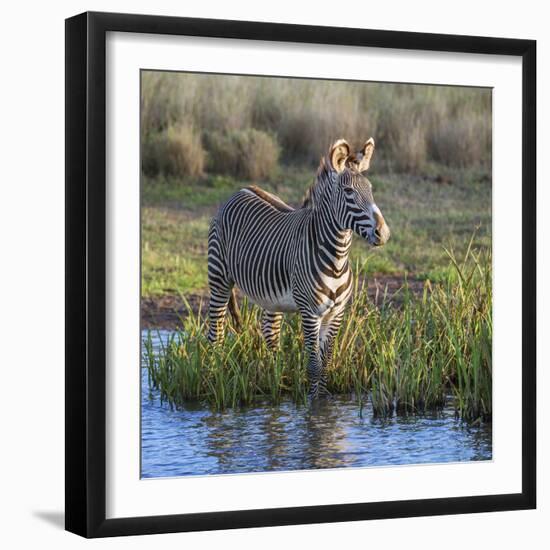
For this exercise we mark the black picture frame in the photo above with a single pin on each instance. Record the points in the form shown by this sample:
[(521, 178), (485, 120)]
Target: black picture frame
[(86, 274)]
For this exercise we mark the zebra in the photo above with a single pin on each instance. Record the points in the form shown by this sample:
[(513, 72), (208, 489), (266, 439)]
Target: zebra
[(285, 259)]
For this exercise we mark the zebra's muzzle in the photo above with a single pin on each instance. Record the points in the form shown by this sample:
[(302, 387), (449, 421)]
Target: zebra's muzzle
[(381, 233)]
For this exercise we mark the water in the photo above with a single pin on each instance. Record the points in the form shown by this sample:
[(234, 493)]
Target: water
[(197, 441)]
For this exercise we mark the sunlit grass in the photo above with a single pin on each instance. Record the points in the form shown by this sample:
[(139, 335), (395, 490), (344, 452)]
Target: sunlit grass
[(409, 354)]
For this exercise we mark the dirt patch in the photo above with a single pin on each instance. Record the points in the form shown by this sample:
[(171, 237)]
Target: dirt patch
[(166, 312)]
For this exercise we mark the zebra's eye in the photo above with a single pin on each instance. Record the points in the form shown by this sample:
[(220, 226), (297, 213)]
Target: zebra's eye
[(349, 191)]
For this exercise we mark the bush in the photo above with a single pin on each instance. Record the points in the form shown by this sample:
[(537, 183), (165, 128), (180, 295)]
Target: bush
[(461, 142), (401, 135), (266, 111), (177, 151), (413, 125), (249, 154), (301, 137)]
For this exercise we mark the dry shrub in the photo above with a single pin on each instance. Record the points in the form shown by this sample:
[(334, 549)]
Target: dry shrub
[(462, 142), (409, 147), (315, 115), (412, 124), (402, 138), (164, 100), (249, 154), (266, 110), (177, 151), (306, 135), (300, 134), (151, 146)]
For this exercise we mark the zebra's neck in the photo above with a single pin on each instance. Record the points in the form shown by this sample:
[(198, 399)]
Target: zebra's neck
[(331, 243)]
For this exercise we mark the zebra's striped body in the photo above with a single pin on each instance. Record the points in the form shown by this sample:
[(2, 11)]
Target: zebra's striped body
[(287, 259)]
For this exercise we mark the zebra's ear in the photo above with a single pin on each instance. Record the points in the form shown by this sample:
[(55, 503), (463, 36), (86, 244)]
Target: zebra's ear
[(365, 155), (338, 153)]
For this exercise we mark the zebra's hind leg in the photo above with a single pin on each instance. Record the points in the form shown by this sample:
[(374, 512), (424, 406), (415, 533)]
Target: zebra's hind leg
[(220, 284), (271, 328), (219, 298)]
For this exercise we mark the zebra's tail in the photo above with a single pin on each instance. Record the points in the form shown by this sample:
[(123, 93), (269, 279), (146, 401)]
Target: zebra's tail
[(234, 310)]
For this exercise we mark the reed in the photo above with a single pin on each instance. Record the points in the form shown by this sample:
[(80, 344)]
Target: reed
[(408, 354)]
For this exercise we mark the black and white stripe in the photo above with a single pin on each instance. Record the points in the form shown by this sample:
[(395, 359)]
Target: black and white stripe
[(287, 259)]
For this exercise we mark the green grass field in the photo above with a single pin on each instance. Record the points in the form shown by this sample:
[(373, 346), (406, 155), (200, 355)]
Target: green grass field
[(443, 208)]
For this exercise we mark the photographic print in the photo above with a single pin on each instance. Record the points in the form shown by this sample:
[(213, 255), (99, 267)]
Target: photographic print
[(284, 244), (316, 274)]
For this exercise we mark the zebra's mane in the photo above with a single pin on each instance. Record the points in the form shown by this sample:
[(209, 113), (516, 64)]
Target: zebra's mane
[(271, 199), (307, 201), (315, 191)]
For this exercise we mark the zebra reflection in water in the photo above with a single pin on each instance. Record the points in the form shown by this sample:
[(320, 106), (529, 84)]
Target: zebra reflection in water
[(287, 259), (280, 438)]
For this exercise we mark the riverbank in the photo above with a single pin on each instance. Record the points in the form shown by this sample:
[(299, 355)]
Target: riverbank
[(168, 311)]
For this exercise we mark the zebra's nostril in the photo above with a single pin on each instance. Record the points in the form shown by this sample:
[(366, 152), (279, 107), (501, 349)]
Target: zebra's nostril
[(377, 233)]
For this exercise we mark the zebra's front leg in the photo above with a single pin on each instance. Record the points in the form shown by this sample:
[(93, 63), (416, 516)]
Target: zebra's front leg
[(271, 328), (311, 325), (327, 336)]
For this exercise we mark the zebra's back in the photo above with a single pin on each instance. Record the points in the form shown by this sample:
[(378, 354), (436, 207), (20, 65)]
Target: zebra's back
[(258, 236)]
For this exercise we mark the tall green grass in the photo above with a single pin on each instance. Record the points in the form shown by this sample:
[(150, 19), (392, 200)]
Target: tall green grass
[(408, 354)]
